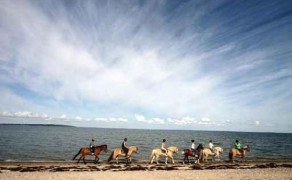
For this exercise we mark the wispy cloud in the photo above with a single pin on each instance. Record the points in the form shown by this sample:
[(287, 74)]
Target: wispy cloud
[(61, 119), (160, 59), (141, 118)]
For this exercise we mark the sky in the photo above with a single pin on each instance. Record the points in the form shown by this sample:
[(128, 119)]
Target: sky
[(190, 65)]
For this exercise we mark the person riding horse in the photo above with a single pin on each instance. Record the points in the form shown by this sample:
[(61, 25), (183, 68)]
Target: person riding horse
[(125, 148), (211, 146), (92, 146), (193, 147), (237, 145), (163, 146)]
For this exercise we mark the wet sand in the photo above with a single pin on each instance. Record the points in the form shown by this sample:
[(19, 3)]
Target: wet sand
[(144, 170)]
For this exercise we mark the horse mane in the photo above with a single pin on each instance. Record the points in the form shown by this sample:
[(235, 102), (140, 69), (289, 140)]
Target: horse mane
[(173, 147), (200, 146), (133, 147), (101, 146)]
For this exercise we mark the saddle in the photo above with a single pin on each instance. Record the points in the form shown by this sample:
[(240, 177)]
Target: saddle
[(163, 151)]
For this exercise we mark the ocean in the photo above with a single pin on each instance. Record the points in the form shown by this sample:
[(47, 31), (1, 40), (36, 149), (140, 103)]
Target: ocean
[(61, 143)]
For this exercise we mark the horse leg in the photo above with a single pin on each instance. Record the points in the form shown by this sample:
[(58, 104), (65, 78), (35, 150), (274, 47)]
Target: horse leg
[(152, 158), (130, 159), (166, 159), (79, 159), (117, 160), (157, 159), (96, 159), (84, 160), (172, 159)]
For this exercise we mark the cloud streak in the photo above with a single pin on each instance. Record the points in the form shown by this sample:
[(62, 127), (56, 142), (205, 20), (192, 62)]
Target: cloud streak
[(158, 59)]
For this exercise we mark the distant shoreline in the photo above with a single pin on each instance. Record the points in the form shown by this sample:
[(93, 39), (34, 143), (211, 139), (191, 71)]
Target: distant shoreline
[(61, 125)]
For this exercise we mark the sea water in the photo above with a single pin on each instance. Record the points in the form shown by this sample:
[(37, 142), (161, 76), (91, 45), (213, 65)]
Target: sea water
[(61, 143)]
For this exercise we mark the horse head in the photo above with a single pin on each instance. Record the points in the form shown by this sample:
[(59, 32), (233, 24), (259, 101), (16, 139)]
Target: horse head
[(247, 148), (200, 147), (104, 147)]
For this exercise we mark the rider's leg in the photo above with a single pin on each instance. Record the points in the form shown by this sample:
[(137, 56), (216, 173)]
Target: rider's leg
[(126, 152)]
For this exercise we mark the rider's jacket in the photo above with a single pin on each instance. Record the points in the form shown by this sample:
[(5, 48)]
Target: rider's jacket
[(211, 145), (193, 146), (163, 146), (91, 144), (124, 145), (237, 145)]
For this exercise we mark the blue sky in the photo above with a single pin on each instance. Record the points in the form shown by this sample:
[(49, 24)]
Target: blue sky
[(199, 65)]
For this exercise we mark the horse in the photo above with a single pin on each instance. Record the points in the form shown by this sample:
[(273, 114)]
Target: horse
[(86, 151), (234, 152), (119, 153), (207, 152), (158, 152), (195, 154)]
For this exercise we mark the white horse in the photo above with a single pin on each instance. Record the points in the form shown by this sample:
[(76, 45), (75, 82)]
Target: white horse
[(216, 154), (158, 152)]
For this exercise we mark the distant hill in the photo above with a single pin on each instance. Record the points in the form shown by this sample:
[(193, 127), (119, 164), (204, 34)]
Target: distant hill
[(60, 125)]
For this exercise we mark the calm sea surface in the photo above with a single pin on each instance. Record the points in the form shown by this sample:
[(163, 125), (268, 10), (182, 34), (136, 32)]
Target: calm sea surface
[(43, 143)]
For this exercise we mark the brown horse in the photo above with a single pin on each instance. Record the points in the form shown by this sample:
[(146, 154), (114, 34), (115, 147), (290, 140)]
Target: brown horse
[(86, 151), (235, 152), (196, 154), (119, 153)]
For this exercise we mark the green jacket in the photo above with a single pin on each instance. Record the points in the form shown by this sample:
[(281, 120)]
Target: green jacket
[(237, 145)]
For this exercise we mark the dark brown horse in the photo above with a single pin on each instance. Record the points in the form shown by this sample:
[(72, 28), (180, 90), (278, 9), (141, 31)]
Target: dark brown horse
[(196, 154), (235, 152), (86, 151)]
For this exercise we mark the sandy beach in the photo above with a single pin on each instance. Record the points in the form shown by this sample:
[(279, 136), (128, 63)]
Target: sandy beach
[(143, 170), (279, 173)]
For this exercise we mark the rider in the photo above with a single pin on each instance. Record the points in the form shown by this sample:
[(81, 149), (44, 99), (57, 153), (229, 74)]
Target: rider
[(193, 147), (91, 146), (211, 145), (163, 146), (237, 145), (125, 148)]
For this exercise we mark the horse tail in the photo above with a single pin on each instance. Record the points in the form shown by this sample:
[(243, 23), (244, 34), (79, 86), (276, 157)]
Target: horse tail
[(77, 154), (230, 155), (111, 157)]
